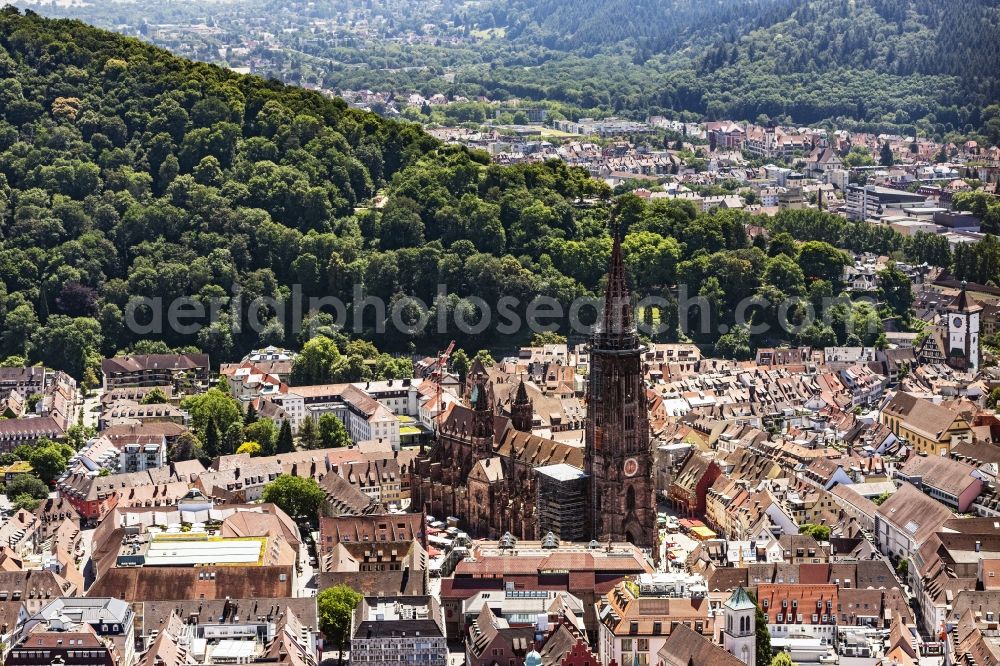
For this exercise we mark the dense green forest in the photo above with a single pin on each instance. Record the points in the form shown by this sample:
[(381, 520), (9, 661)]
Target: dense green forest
[(869, 64), (125, 171), (128, 173), (881, 62), (878, 65)]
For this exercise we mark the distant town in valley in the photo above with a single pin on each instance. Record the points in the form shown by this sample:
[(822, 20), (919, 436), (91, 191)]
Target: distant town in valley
[(500, 333)]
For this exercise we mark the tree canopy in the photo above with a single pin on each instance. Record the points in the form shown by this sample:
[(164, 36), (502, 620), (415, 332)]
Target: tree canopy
[(871, 64), (26, 484), (335, 606), (213, 411), (332, 432), (298, 497), (128, 173), (130, 177), (818, 532), (48, 459)]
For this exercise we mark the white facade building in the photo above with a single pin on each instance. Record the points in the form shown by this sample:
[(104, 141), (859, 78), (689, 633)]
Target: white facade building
[(399, 631)]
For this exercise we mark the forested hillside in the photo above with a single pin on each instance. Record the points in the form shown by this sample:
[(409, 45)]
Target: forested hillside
[(127, 173), (876, 65), (880, 61), (590, 26)]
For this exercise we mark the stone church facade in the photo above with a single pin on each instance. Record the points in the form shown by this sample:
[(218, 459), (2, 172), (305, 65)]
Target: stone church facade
[(481, 468)]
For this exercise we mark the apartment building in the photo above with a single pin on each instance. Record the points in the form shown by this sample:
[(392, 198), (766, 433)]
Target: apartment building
[(184, 372), (399, 631)]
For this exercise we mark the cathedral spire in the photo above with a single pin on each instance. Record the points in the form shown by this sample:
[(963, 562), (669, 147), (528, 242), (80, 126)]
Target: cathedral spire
[(482, 412), (617, 330), (480, 399), (522, 411), (522, 393)]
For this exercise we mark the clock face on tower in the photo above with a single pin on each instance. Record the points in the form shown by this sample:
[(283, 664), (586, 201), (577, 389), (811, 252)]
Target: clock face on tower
[(957, 321), (631, 467)]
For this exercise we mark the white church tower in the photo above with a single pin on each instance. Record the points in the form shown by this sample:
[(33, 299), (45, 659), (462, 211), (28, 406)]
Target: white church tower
[(963, 332), (740, 635)]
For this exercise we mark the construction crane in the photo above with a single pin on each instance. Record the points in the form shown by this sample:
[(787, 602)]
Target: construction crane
[(437, 375)]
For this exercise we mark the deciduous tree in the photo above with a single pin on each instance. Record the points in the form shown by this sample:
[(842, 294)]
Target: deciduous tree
[(214, 405), (335, 606), (332, 432), (26, 484), (298, 497)]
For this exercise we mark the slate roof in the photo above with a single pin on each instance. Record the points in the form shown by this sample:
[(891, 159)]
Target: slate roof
[(155, 613), (740, 600), (367, 628)]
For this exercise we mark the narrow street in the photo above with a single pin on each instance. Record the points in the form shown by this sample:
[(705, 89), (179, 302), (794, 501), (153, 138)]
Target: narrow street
[(306, 586), (91, 408)]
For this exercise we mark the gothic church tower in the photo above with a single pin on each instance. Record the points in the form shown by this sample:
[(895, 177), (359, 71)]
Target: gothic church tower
[(618, 458)]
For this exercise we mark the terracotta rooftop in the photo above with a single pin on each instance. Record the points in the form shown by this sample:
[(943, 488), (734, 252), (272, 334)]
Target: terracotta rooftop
[(922, 416), (945, 474), (913, 513), (686, 646), (804, 600), (176, 583), (122, 364)]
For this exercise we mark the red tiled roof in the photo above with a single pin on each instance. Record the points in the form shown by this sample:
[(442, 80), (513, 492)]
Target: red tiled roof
[(804, 600)]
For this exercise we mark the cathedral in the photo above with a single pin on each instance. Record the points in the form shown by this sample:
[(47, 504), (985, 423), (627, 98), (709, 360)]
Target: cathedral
[(481, 468), (618, 458)]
